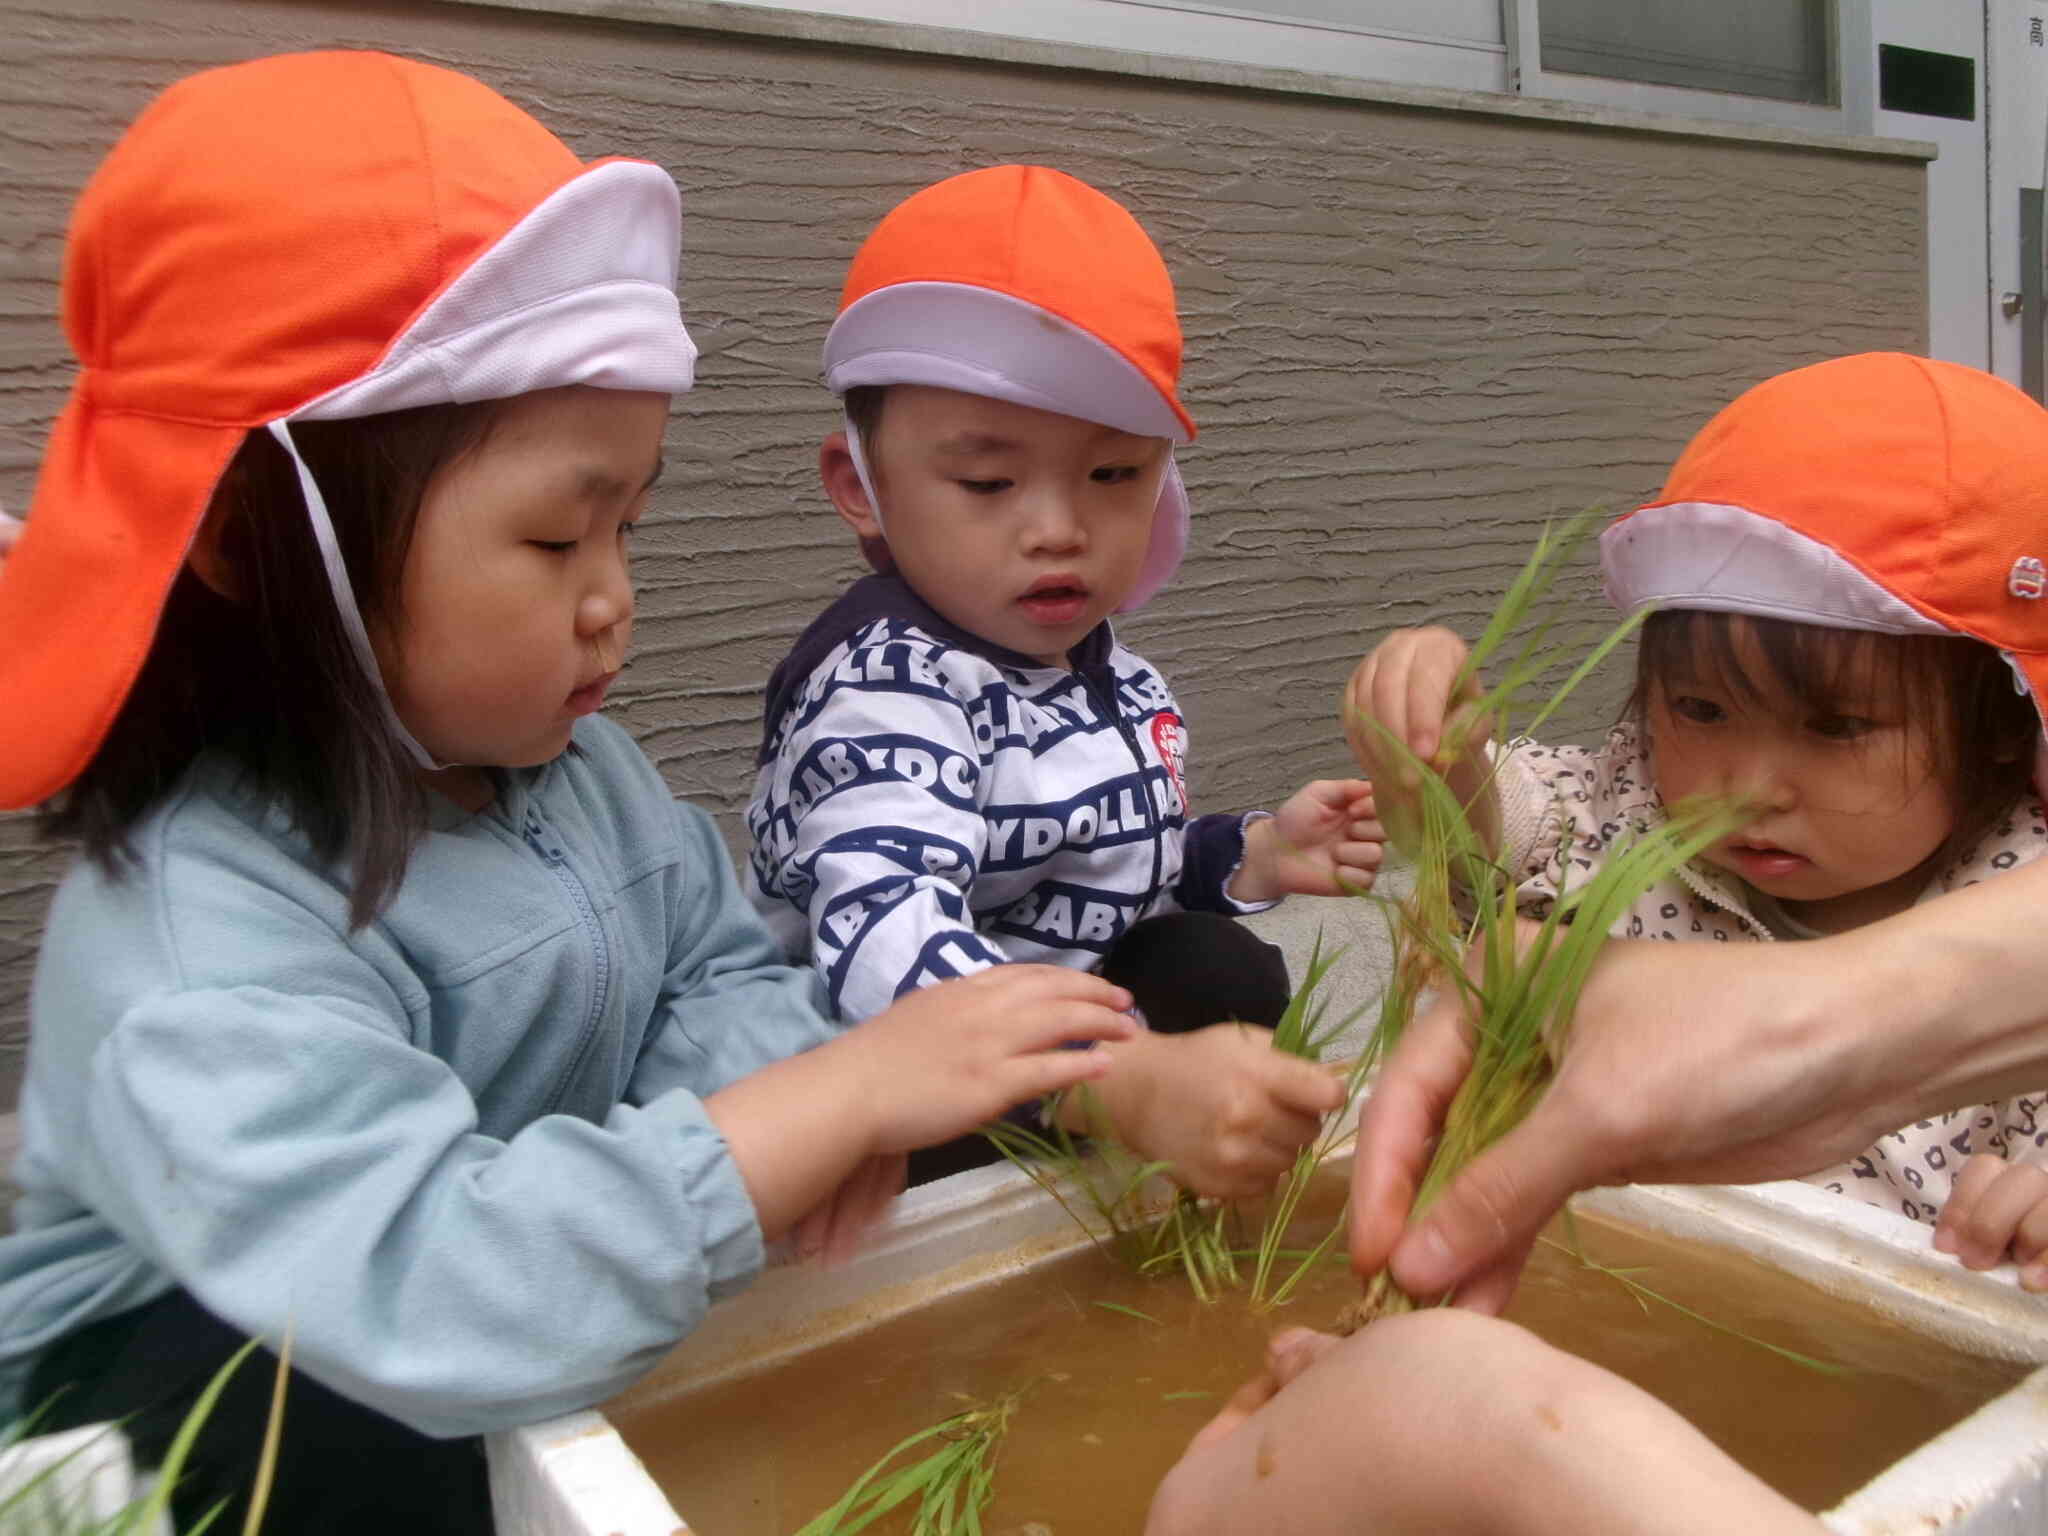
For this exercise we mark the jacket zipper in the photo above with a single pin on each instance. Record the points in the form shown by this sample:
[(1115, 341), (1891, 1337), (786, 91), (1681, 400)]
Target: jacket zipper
[(538, 839), (1130, 740)]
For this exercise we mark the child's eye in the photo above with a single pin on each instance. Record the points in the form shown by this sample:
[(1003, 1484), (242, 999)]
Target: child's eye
[(1114, 474), (1699, 711), (985, 487), (1842, 727), (553, 546)]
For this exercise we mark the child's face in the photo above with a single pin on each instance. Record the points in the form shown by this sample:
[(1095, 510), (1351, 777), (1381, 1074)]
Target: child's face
[(1021, 526), (1848, 804), (516, 604)]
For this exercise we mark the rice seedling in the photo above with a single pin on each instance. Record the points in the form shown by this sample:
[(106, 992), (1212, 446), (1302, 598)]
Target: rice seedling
[(1461, 928), (44, 1503), (951, 1485), (1110, 1195), (1643, 1295), (1458, 928)]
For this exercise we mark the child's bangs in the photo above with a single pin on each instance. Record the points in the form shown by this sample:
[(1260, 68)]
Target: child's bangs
[(1782, 666)]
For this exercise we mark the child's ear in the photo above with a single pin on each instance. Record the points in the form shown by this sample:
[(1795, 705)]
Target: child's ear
[(208, 556), (842, 484)]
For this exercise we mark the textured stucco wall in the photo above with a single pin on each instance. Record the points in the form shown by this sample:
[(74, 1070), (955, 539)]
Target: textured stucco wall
[(1412, 334)]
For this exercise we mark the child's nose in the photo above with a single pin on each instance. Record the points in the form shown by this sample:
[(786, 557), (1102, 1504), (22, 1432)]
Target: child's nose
[(1055, 522), (1760, 778), (608, 603)]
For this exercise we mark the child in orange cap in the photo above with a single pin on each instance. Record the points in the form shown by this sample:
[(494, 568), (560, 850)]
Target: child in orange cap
[(961, 767), (1846, 567), (396, 1006)]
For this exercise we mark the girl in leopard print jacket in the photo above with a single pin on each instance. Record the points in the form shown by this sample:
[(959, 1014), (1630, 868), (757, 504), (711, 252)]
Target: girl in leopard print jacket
[(1846, 567)]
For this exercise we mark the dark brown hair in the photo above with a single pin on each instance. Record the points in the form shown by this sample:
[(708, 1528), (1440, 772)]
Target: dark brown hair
[(1981, 730), (269, 676)]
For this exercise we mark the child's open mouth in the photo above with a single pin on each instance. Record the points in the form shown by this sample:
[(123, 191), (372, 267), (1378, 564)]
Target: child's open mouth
[(1054, 602), (1761, 861)]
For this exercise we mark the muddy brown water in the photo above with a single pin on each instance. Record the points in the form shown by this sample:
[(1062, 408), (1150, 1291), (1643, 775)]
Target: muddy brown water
[(1114, 1398)]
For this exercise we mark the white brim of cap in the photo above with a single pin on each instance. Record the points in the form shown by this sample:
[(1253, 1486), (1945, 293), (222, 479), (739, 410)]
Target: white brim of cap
[(580, 291), (1728, 559), (1699, 554), (981, 342)]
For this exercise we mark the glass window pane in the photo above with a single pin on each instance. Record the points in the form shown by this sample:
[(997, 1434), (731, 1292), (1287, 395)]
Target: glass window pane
[(1775, 48)]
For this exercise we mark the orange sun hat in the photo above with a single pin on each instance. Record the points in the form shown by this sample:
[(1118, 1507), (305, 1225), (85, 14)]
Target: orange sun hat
[(1027, 285), (1879, 492), (318, 236)]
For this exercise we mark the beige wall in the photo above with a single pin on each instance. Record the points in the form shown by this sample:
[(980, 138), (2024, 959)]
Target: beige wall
[(1413, 334)]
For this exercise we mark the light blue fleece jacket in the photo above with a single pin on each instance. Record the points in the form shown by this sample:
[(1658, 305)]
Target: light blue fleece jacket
[(462, 1152)]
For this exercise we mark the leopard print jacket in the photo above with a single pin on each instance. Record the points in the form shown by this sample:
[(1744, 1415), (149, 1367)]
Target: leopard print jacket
[(1562, 808)]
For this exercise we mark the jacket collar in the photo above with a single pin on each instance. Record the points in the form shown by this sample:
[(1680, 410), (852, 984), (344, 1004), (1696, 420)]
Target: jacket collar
[(890, 597)]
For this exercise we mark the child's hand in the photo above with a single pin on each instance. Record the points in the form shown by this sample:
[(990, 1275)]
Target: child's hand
[(818, 1129), (832, 1233), (1221, 1105), (1288, 1353), (1405, 689), (946, 1058), (1998, 1209), (1325, 841)]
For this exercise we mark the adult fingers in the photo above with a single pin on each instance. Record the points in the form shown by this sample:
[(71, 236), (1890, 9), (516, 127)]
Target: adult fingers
[(1398, 1126), (1493, 1210), (1492, 1288)]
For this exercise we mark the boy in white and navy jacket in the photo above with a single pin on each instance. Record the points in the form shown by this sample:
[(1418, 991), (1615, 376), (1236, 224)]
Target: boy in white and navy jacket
[(960, 765)]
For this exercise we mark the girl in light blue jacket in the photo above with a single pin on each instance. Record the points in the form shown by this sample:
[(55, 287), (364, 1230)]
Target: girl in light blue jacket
[(396, 1005)]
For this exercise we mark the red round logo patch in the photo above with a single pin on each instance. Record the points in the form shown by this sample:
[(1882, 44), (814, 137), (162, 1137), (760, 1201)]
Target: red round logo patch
[(1170, 741)]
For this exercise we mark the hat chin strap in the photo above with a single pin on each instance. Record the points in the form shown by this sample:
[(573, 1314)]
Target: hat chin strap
[(860, 469), (345, 599)]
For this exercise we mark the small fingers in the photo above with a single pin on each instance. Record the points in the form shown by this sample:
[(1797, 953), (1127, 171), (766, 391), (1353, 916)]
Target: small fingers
[(1244, 1402), (1302, 1091), (873, 1189), (1977, 1176), (1292, 1351), (1985, 1231), (2030, 1248)]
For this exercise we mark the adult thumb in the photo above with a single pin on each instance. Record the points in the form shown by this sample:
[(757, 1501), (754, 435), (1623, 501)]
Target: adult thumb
[(1489, 1215)]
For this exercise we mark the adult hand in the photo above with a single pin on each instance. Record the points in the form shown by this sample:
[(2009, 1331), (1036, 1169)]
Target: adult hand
[(1684, 1063)]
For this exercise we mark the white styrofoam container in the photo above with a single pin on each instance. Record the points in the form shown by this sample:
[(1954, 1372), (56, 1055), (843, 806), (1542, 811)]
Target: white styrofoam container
[(1986, 1476), (70, 1480)]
